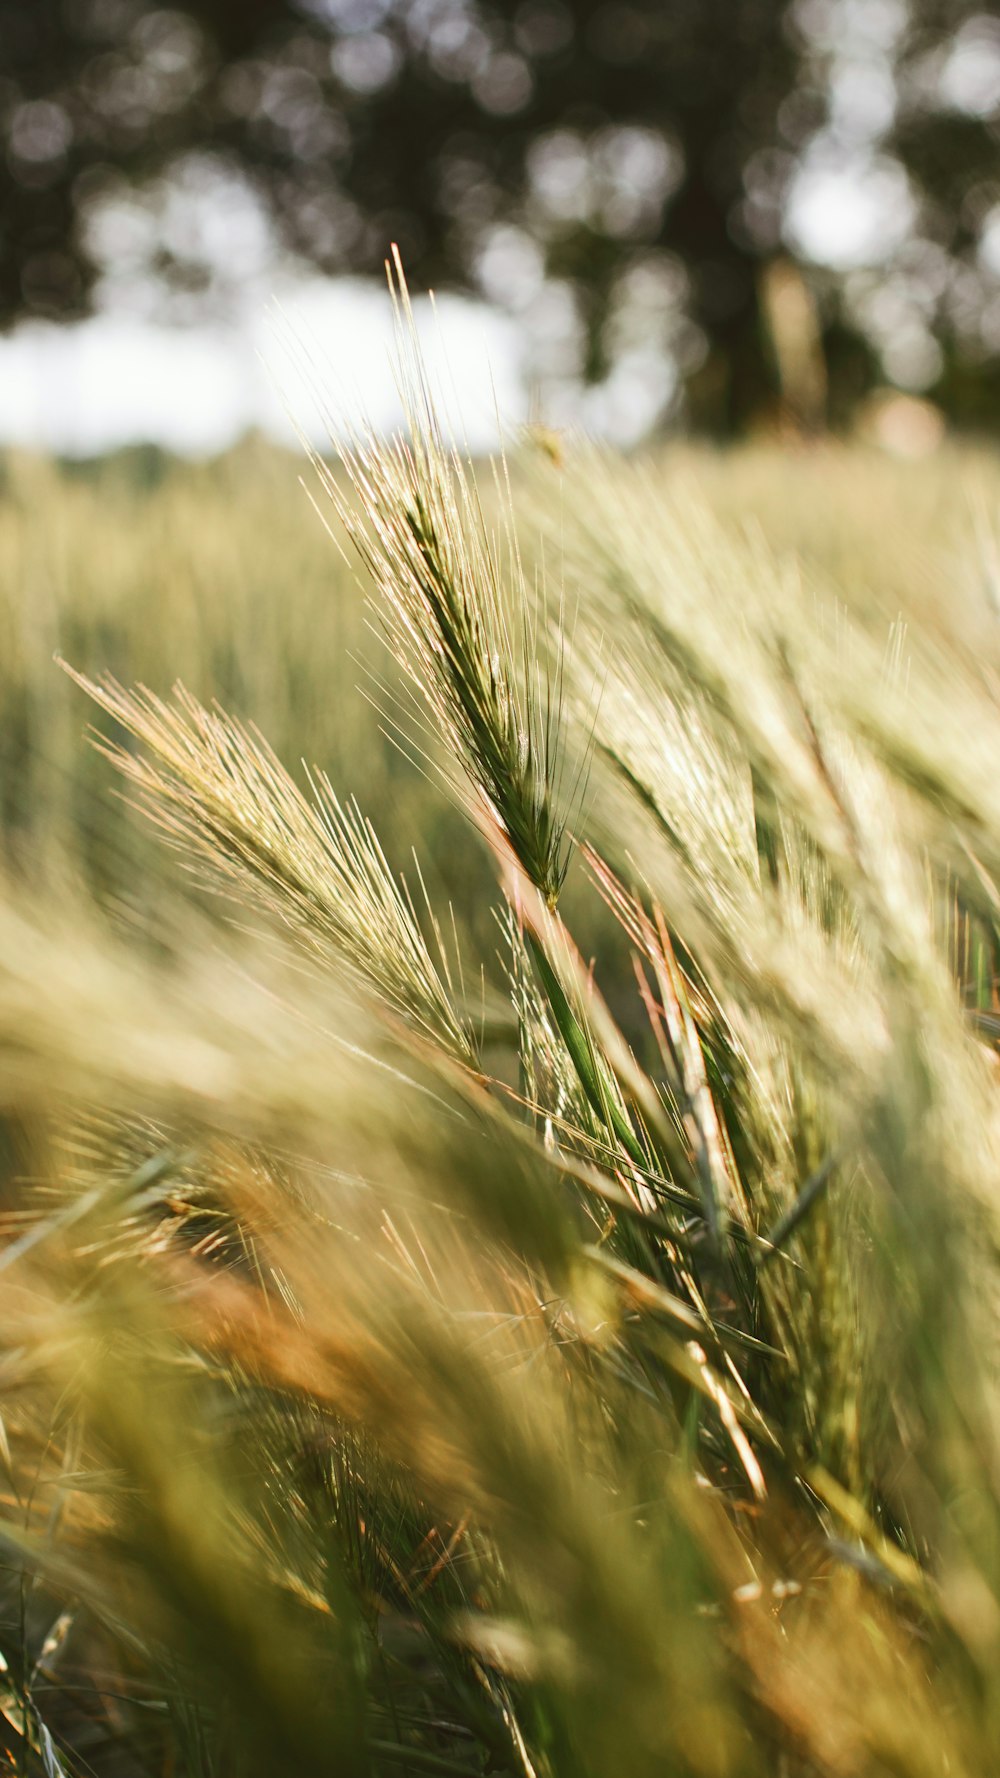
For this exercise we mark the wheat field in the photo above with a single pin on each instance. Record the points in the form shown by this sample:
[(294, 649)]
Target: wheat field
[(499, 1113)]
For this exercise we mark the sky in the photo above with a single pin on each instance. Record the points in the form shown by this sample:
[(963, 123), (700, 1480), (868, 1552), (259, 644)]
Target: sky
[(315, 354)]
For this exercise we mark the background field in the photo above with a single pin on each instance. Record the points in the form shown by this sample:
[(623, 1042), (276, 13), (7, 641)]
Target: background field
[(222, 576)]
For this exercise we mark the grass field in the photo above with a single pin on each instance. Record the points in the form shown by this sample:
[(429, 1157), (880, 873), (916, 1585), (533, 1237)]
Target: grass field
[(539, 1319)]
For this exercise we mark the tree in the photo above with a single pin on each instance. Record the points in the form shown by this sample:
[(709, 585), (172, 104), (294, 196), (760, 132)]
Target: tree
[(625, 162)]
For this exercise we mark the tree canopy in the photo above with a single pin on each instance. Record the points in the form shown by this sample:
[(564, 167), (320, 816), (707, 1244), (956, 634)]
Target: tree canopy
[(616, 171)]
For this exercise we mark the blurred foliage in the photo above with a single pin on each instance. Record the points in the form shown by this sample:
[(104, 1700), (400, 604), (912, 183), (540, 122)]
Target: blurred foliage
[(614, 171)]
